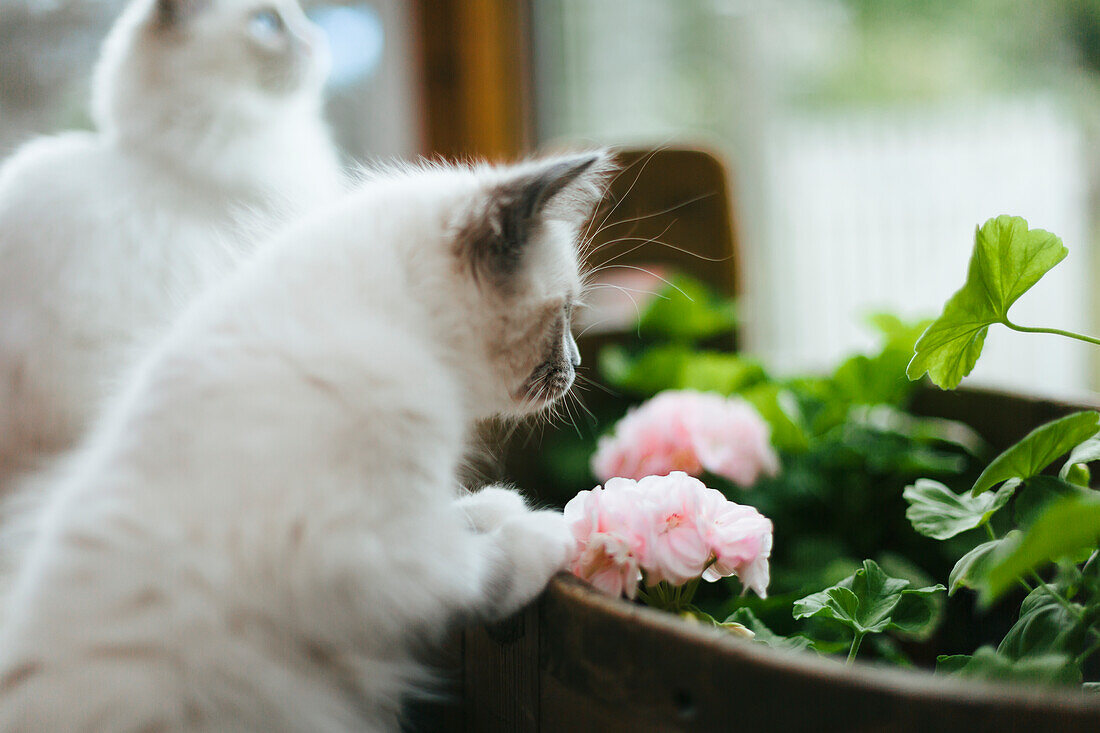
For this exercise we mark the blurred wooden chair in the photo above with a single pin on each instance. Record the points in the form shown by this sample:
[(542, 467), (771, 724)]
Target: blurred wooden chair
[(667, 211)]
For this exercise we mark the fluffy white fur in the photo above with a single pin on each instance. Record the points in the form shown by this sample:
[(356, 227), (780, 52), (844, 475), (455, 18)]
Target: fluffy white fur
[(263, 530), (203, 114)]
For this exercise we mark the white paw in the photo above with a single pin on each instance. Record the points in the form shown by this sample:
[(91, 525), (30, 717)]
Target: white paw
[(491, 507), (537, 545)]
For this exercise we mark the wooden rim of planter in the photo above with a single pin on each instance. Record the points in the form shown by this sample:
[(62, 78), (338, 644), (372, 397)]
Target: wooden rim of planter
[(650, 649)]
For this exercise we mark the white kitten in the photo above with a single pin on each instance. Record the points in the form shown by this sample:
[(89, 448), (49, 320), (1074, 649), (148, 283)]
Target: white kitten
[(204, 109), (263, 531)]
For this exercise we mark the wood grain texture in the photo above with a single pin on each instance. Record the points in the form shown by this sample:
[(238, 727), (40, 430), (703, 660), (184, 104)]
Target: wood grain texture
[(502, 675), (475, 77), (615, 666)]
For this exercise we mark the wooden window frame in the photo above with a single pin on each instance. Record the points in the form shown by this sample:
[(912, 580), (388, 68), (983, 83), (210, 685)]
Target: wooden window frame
[(475, 59)]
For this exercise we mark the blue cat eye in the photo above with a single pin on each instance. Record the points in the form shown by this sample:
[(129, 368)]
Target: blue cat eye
[(265, 23)]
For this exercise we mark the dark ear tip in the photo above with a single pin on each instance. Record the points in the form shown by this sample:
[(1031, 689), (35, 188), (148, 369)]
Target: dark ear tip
[(591, 168), (601, 160)]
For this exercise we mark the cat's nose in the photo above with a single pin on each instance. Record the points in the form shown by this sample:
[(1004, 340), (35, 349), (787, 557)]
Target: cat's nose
[(574, 352)]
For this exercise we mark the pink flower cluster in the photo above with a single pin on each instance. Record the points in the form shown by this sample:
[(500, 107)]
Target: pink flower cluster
[(683, 430), (671, 528)]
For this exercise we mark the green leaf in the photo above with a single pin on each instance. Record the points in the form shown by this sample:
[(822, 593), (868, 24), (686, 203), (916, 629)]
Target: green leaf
[(938, 512), (951, 663), (973, 566), (869, 600), (687, 310), (1084, 453), (917, 613), (1038, 449), (987, 664), (1067, 526), (779, 408), (1039, 492), (863, 380), (920, 429), (709, 371), (764, 635), (1008, 258), (899, 334), (1079, 475), (880, 379), (673, 366), (1044, 627)]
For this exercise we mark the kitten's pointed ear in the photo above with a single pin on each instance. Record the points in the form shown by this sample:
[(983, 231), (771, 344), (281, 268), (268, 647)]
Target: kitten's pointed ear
[(575, 179), (565, 188)]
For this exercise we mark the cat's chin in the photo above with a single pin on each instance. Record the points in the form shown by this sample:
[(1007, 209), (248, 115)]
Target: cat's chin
[(538, 394)]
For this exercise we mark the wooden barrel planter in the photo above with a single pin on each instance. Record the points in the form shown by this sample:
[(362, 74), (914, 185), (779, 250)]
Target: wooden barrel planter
[(578, 661)]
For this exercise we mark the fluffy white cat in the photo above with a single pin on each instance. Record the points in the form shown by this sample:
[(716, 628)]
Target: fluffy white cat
[(264, 530), (205, 109)]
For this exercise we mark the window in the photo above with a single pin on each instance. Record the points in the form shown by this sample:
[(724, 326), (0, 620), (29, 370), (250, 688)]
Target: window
[(867, 140)]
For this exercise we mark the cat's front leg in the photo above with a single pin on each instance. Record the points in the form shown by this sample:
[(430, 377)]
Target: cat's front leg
[(529, 548), (490, 507)]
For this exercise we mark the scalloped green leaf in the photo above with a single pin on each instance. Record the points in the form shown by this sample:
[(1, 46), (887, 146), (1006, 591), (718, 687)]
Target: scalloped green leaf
[(869, 601), (938, 512), (1007, 260), (1038, 449)]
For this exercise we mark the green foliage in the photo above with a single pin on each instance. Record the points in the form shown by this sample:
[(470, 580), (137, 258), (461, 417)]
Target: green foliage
[(687, 311), (779, 407), (987, 664), (1037, 493), (870, 602), (675, 366), (1039, 449), (1008, 259), (1069, 525), (764, 635), (936, 511), (1045, 627), (863, 478), (879, 379), (974, 565), (1058, 518), (1084, 453)]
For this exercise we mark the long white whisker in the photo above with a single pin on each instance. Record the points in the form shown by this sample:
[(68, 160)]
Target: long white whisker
[(642, 217), (644, 161), (640, 291), (651, 274), (636, 247)]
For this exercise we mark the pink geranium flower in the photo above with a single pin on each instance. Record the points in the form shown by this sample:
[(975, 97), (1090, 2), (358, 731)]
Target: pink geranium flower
[(740, 539), (679, 550), (672, 529), (683, 430), (612, 534)]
